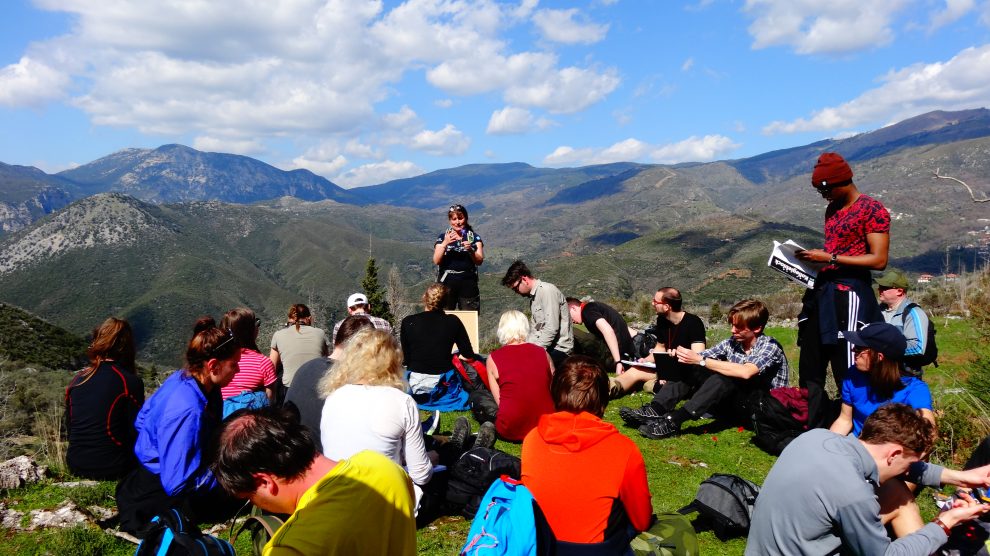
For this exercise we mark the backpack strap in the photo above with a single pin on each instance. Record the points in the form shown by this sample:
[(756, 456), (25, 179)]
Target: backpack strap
[(262, 528), (907, 311)]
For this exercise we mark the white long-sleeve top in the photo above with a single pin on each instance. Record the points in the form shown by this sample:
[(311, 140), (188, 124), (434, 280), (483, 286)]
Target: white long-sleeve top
[(379, 418)]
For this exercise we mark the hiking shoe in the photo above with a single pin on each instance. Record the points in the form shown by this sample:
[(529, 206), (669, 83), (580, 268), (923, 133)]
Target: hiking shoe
[(432, 423), (661, 428), (635, 417), (458, 437), (486, 435)]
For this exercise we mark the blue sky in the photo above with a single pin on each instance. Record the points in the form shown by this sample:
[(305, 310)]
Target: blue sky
[(362, 92)]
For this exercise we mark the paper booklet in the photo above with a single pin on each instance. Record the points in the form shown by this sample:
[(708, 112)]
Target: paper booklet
[(783, 259)]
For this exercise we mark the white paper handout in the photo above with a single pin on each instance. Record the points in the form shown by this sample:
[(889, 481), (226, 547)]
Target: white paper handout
[(783, 259)]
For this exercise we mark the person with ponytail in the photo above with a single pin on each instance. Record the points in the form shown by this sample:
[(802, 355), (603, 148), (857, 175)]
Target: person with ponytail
[(101, 403), (174, 434), (297, 343), (427, 340), (254, 384)]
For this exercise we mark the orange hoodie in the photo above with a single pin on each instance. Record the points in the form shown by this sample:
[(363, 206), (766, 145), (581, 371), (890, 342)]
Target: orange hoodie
[(577, 466)]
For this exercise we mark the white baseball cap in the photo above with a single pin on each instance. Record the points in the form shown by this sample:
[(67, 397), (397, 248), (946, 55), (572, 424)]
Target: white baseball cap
[(357, 299)]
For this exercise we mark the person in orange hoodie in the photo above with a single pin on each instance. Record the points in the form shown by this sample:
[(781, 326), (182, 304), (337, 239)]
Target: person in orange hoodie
[(589, 479)]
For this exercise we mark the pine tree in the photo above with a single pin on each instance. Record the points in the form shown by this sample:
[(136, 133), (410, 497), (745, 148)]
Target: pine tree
[(715, 313), (376, 294)]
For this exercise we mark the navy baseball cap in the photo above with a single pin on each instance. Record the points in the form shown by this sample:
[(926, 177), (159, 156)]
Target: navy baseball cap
[(879, 336)]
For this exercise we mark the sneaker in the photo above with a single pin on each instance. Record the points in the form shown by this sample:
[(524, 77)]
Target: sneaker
[(432, 423), (486, 435), (635, 417), (462, 429), (661, 428)]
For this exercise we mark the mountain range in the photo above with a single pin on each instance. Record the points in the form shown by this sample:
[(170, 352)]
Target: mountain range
[(161, 236)]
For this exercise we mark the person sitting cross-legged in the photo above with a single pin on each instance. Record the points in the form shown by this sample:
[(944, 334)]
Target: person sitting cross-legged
[(359, 505), (736, 370)]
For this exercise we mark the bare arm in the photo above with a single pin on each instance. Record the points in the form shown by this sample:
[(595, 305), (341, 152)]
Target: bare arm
[(698, 346), (493, 379), (876, 259), (439, 249), (478, 255), (611, 341), (844, 422), (273, 355), (270, 394), (727, 368)]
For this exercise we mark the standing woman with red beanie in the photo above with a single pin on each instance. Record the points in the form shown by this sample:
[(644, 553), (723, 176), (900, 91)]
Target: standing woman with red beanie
[(857, 237)]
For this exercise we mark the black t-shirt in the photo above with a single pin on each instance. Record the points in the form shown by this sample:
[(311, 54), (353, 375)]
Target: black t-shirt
[(428, 338), (457, 259), (100, 413), (591, 312), (690, 330), (306, 396)]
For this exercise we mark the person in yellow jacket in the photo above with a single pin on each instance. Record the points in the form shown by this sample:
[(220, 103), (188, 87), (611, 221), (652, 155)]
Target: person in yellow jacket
[(359, 505)]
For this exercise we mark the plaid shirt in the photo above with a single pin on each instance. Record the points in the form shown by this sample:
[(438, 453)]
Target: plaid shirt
[(377, 322), (767, 355)]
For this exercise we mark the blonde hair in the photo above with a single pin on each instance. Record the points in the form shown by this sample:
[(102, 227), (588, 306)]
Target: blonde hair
[(373, 357), (512, 326), (435, 295)]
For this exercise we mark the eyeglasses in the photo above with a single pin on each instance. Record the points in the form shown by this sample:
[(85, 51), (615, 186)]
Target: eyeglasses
[(859, 349), (257, 322), (515, 287), (657, 302), (217, 348)]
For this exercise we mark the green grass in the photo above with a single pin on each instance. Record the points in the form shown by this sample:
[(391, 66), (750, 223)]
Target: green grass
[(675, 466)]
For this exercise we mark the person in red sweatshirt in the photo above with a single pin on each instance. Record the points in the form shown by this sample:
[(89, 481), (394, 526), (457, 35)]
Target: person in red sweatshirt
[(589, 479)]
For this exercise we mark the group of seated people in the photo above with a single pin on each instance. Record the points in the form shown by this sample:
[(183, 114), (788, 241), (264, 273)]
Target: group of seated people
[(348, 439)]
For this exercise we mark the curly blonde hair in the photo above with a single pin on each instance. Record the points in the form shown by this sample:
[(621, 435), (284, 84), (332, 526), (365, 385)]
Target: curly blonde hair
[(373, 357), (434, 297)]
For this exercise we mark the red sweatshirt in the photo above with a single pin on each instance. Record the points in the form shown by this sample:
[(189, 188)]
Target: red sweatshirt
[(576, 466)]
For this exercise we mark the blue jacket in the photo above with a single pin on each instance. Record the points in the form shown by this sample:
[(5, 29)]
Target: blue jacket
[(174, 428)]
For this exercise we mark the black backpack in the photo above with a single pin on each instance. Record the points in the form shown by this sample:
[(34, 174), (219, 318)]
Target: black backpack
[(727, 501), (474, 472), (930, 357), (172, 534), (643, 343), (773, 425)]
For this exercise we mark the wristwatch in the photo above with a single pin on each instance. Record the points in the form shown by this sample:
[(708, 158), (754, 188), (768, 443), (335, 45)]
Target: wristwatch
[(834, 259), (703, 362)]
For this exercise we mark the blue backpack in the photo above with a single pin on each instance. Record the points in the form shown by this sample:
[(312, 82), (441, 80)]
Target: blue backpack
[(172, 534), (245, 400), (505, 523)]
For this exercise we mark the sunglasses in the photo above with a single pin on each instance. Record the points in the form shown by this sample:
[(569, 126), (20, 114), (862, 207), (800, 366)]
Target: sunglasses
[(219, 347), (456, 208)]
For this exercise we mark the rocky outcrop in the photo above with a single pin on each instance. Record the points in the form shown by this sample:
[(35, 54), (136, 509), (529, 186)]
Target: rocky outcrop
[(20, 471)]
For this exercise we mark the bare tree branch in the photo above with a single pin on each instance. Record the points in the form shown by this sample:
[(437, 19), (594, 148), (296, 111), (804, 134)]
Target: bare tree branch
[(985, 199)]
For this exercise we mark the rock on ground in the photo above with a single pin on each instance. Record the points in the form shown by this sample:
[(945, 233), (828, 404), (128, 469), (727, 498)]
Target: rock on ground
[(20, 471)]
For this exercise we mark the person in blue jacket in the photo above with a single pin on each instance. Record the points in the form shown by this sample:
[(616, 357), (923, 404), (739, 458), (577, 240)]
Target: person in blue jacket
[(174, 431)]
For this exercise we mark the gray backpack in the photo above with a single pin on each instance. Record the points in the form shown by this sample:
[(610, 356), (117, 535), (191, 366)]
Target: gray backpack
[(727, 501)]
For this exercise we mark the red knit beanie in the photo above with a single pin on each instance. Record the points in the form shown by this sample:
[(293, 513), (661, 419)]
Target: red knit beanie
[(831, 171)]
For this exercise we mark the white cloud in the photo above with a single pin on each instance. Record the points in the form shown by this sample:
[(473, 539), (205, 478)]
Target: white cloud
[(448, 141), (30, 82), (953, 10), (512, 120), (443, 103), (688, 64), (956, 84), (325, 168), (378, 172), (695, 149), (223, 70), (813, 26), (692, 149), (228, 145), (568, 27)]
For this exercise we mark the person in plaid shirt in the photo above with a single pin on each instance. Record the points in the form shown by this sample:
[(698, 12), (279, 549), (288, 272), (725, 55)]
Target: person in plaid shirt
[(736, 370)]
